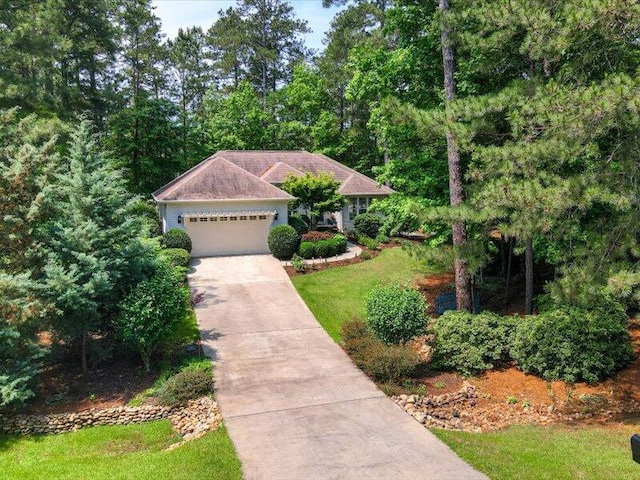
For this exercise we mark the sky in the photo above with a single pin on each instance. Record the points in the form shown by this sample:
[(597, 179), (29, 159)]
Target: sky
[(188, 13)]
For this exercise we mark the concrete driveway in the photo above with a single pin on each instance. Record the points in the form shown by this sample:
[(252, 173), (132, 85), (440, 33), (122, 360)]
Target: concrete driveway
[(293, 403)]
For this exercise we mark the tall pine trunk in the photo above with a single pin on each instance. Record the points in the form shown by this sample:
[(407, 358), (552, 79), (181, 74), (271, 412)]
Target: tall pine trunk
[(529, 276), (456, 193)]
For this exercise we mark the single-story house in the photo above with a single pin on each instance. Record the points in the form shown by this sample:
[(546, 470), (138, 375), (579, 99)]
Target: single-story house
[(229, 201)]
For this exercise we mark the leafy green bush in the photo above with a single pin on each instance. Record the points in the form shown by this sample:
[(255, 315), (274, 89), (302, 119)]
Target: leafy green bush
[(368, 242), (187, 385), (472, 343), (152, 311), (572, 344), (385, 363), (367, 224), (324, 248), (176, 257), (298, 264), (380, 238), (365, 256), (307, 250), (177, 238), (298, 223), (396, 313), (340, 243), (283, 241)]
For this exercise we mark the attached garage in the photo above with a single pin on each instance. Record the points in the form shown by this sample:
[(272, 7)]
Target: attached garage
[(229, 233)]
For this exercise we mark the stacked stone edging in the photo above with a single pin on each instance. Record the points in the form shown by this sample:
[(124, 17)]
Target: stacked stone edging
[(192, 420)]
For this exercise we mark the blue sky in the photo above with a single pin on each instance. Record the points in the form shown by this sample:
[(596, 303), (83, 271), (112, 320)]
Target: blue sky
[(187, 13)]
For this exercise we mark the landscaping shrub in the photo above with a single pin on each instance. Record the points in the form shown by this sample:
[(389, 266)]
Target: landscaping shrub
[(572, 344), (367, 224), (365, 256), (177, 238), (177, 257), (187, 385), (472, 343), (298, 223), (324, 248), (368, 242), (396, 313), (283, 241), (340, 243), (315, 236), (380, 238), (385, 363), (298, 264), (307, 250)]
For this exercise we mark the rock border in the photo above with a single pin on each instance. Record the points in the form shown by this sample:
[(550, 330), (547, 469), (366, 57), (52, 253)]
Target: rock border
[(192, 420)]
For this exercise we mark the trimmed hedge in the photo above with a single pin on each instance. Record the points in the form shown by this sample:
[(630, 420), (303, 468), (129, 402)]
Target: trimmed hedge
[(283, 241), (471, 344), (307, 250), (177, 238), (186, 385), (396, 313), (325, 246), (367, 224), (177, 257), (572, 344)]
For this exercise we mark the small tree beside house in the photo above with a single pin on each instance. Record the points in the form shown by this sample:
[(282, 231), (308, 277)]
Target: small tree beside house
[(317, 194)]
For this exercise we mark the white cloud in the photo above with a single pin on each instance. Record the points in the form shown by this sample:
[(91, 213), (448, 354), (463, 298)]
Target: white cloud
[(175, 14)]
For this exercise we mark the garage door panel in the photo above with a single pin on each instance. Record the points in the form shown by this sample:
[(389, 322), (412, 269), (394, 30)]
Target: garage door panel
[(237, 237)]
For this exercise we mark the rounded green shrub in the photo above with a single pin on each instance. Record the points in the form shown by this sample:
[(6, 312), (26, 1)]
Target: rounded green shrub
[(324, 248), (298, 223), (283, 241), (184, 386), (340, 242), (307, 250), (572, 344), (471, 344), (177, 238), (177, 257), (367, 224), (396, 313)]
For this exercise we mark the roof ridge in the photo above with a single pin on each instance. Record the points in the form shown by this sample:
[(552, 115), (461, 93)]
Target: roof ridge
[(172, 183)]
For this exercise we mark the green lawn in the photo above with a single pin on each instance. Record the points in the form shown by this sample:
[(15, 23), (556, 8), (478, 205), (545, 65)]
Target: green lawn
[(558, 453), (337, 294), (118, 452)]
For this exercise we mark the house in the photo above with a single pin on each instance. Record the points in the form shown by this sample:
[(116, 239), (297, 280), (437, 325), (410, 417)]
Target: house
[(229, 201)]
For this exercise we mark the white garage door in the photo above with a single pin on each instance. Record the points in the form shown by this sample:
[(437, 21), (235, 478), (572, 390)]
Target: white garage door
[(228, 234)]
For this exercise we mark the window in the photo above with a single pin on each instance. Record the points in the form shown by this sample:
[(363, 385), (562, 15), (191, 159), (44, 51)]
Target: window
[(357, 206), (213, 219), (243, 217), (192, 219), (203, 219), (262, 217), (224, 219), (253, 217), (233, 219)]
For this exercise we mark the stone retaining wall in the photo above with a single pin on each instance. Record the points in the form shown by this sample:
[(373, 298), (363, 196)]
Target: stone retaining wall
[(194, 419)]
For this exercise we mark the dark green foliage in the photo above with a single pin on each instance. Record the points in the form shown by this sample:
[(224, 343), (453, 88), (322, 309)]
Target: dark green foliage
[(471, 344), (186, 385), (298, 223), (380, 238), (316, 193), (298, 264), (572, 345), (283, 241), (367, 224), (385, 363), (152, 311), (307, 250), (396, 313), (177, 238), (176, 257), (368, 242), (340, 243), (324, 248)]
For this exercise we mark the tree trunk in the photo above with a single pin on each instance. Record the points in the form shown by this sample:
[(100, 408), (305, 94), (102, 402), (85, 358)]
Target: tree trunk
[(529, 276), (456, 193), (508, 281), (85, 340), (146, 359)]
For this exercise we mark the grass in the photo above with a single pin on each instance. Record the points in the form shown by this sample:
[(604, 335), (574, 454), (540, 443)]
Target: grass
[(337, 294), (535, 452), (119, 452)]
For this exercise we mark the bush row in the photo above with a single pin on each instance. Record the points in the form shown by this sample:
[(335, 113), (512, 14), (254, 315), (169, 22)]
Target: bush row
[(323, 248)]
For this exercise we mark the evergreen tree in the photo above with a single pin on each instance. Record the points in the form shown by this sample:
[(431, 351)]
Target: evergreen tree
[(91, 247)]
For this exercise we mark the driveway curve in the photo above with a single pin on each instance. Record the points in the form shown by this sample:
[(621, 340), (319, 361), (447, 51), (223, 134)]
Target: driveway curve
[(294, 405)]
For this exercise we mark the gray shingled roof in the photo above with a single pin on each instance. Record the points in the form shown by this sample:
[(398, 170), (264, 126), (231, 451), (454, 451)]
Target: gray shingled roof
[(218, 179), (255, 171)]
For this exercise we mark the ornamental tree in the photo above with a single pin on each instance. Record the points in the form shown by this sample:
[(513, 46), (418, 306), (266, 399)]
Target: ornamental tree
[(316, 193)]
